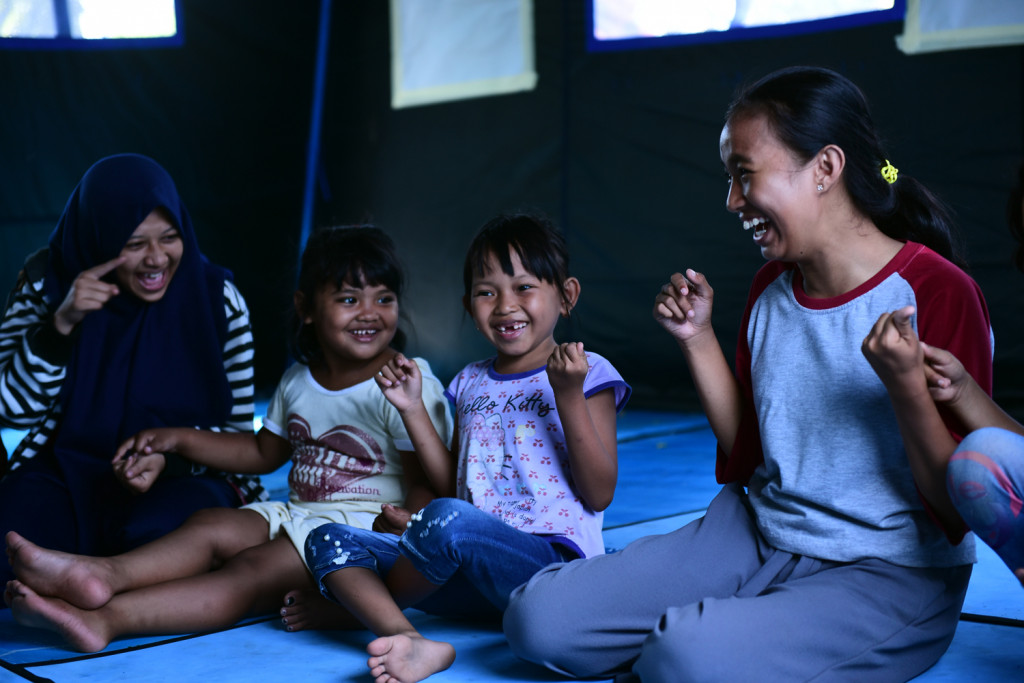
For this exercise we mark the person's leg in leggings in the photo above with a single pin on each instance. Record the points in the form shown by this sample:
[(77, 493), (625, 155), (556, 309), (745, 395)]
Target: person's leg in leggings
[(986, 482)]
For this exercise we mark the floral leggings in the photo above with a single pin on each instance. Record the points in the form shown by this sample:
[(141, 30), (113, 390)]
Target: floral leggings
[(986, 482)]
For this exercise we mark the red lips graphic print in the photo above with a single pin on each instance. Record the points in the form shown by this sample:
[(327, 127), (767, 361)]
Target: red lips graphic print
[(329, 464)]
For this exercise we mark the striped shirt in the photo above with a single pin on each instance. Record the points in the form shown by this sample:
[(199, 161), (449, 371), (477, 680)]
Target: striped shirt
[(33, 363)]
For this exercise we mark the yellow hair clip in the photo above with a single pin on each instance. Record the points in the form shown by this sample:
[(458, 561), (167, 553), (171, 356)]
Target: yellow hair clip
[(889, 172)]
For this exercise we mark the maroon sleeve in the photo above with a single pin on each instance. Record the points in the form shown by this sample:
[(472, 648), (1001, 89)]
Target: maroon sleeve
[(952, 315), (746, 453)]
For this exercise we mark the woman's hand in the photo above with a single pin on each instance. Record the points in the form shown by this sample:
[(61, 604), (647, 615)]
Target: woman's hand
[(88, 293), (683, 306), (139, 471)]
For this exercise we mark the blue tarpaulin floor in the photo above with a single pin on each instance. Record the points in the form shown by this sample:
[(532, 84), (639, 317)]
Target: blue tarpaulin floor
[(666, 479)]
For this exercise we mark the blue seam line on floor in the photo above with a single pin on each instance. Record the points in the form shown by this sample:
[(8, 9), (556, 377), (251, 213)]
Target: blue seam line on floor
[(156, 643), (995, 621), (20, 670)]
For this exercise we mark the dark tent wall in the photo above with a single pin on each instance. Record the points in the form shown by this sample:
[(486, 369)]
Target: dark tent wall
[(620, 148)]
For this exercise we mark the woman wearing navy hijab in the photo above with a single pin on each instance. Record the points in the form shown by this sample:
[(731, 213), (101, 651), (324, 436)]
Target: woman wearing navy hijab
[(120, 324)]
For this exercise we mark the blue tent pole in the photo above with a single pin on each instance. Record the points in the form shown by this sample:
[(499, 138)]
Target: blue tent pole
[(316, 116), (62, 19)]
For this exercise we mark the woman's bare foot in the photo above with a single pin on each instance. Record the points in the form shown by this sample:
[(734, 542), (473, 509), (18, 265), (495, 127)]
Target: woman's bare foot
[(76, 579), (81, 629), (407, 658), (307, 610)]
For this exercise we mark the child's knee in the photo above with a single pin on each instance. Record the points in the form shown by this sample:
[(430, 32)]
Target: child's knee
[(971, 470), (440, 512), (437, 526), (333, 546), (972, 476)]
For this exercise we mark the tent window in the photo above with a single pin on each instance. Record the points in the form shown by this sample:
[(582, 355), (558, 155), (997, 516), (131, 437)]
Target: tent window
[(626, 24), (49, 24)]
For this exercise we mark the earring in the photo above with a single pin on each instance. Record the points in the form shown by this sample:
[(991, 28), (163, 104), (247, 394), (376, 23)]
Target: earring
[(820, 187)]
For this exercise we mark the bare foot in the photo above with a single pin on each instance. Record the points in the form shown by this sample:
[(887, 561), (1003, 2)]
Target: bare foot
[(307, 610), (1020, 575), (407, 658), (79, 628), (74, 578)]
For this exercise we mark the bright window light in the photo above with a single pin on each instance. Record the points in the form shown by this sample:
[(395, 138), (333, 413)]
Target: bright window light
[(27, 19), (619, 19), (124, 19), (72, 23), (682, 21)]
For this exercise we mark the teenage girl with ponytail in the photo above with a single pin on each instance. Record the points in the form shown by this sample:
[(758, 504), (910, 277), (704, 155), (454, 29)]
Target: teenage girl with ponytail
[(830, 553)]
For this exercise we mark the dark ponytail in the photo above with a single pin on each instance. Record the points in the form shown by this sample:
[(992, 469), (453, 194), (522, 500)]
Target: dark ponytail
[(809, 108)]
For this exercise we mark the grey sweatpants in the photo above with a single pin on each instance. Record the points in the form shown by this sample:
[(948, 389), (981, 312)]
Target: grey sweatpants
[(712, 601)]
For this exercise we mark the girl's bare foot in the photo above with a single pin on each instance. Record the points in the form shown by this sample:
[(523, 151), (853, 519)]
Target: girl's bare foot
[(407, 658), (306, 610), (73, 578), (81, 629)]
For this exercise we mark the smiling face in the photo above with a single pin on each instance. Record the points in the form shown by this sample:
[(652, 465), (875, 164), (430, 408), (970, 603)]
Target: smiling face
[(353, 323), (772, 191), (152, 255), (517, 314)]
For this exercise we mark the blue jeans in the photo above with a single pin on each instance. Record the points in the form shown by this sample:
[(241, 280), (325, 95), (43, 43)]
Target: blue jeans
[(477, 559)]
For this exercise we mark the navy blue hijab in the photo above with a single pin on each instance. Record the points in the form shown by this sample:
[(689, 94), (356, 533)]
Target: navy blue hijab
[(134, 365)]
